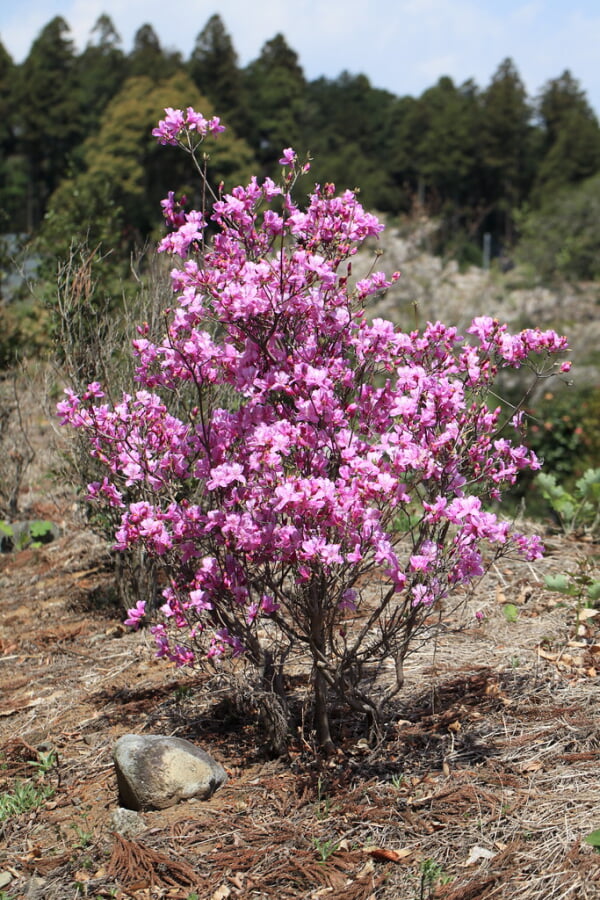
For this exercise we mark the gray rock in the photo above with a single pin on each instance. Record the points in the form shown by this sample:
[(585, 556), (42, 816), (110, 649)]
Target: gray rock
[(126, 822), (155, 771)]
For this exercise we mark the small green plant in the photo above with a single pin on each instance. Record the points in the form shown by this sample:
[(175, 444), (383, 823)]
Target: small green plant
[(510, 612), (20, 535), (324, 807), (85, 837), (326, 848), (580, 584), (593, 839), (45, 762), (7, 537), (398, 781), (41, 532), (431, 873), (28, 794), (182, 693), (25, 795), (578, 511)]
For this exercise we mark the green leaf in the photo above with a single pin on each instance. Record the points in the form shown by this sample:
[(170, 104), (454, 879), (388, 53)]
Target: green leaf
[(593, 838), (40, 528), (561, 584), (511, 612), (589, 484), (551, 490), (565, 507), (593, 591)]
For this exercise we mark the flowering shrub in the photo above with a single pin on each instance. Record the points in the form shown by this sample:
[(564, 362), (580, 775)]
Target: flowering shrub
[(295, 466)]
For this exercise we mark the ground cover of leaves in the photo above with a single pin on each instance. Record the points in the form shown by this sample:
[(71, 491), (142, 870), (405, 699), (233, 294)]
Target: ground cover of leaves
[(483, 787)]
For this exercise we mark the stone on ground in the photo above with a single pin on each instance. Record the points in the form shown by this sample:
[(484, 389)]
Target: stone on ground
[(156, 771)]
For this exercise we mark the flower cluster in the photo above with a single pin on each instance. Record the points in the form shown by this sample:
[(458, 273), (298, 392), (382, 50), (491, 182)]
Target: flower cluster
[(316, 447), (177, 122)]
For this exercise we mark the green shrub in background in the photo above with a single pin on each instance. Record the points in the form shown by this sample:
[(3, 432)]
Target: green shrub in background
[(578, 511), (561, 239), (564, 431), (563, 428)]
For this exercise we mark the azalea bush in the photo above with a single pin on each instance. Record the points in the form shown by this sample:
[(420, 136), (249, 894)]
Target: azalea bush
[(313, 483)]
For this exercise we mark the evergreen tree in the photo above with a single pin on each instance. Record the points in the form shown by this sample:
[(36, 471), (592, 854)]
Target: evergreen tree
[(561, 239), (506, 146), (214, 69), (277, 102), (347, 133), (101, 71), (570, 144), (408, 121), (447, 149), (7, 77), (448, 161), (13, 165), (148, 59), (49, 116)]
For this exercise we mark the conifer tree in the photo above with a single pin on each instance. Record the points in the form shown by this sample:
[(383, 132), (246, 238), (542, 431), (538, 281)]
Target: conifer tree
[(506, 145), (214, 69), (570, 136), (148, 59), (276, 111), (101, 71), (50, 124)]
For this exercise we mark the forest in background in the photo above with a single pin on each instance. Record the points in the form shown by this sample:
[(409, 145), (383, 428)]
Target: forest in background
[(77, 156)]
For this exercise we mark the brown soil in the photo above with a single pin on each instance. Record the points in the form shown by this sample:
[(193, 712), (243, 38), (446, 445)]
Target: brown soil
[(484, 787)]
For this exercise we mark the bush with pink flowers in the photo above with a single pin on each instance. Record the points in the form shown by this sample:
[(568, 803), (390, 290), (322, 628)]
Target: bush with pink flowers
[(313, 483)]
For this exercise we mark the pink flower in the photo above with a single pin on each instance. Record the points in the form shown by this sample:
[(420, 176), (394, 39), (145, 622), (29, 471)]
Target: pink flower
[(170, 127), (224, 475), (136, 614), (288, 157), (268, 605)]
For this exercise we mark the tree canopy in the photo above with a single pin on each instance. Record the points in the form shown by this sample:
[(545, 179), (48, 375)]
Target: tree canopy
[(77, 125)]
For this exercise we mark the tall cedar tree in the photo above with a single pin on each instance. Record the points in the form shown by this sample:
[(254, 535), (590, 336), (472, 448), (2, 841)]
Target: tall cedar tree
[(570, 137), (347, 133), (101, 71), (148, 59), (13, 166), (50, 121), (214, 69), (506, 146), (116, 199), (276, 111), (447, 148)]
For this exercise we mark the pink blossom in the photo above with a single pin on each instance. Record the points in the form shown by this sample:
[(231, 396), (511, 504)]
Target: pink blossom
[(136, 614), (224, 475), (268, 605), (288, 157)]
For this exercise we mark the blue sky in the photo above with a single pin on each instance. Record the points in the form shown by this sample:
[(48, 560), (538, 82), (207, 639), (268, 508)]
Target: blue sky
[(402, 45)]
